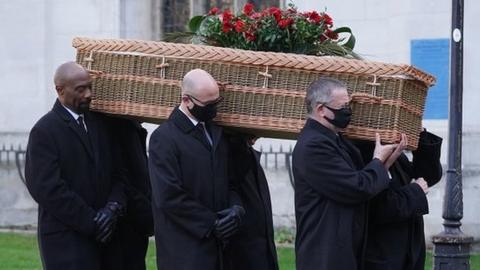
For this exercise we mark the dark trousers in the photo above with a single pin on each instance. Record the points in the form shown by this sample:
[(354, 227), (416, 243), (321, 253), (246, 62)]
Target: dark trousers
[(69, 250), (134, 247)]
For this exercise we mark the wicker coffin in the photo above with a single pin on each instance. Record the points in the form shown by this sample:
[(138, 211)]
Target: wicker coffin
[(264, 91)]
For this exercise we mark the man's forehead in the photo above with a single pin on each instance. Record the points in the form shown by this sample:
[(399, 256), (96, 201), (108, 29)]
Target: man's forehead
[(207, 90), (340, 95), (82, 81)]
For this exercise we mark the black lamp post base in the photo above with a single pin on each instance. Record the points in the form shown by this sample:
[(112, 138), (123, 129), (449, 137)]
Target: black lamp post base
[(451, 251)]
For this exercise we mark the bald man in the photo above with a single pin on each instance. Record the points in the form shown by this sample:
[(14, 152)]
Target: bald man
[(70, 174), (195, 210)]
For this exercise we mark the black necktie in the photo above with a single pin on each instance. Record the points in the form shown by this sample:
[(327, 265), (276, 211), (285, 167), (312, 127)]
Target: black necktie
[(81, 124), (205, 132)]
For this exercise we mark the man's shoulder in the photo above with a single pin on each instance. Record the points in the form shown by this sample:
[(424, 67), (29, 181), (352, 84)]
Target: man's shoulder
[(314, 142), (311, 135), (46, 121), (47, 126), (166, 130), (166, 137)]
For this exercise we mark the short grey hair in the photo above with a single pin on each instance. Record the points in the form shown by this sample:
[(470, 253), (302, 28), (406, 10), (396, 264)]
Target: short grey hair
[(320, 91)]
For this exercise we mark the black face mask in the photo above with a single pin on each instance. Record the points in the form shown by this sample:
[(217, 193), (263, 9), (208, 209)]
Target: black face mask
[(205, 113), (342, 117)]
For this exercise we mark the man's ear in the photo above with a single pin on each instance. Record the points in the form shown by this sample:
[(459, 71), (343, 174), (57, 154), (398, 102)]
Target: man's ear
[(319, 109), (59, 90), (186, 100)]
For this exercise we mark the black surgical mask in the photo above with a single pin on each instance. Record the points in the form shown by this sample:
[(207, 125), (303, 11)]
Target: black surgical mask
[(205, 113), (342, 116)]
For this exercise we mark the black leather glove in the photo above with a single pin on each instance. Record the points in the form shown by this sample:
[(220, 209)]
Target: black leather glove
[(106, 221), (229, 222)]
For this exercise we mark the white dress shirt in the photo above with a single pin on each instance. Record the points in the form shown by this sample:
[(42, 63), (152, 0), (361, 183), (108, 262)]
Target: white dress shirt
[(76, 115)]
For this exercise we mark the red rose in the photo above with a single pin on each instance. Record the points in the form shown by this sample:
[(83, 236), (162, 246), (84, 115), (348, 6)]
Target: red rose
[(285, 23), (227, 16), (248, 9), (314, 16), (250, 36), (226, 27), (327, 19), (275, 12), (278, 16), (213, 11), (239, 26)]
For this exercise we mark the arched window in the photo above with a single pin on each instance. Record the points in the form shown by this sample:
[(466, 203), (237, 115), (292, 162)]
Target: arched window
[(173, 15), (176, 14)]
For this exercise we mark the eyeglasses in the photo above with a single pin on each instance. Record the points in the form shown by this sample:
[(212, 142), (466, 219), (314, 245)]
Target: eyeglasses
[(208, 103)]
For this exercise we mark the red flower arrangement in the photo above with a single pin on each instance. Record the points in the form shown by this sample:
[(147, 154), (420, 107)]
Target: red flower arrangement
[(274, 29), (248, 9)]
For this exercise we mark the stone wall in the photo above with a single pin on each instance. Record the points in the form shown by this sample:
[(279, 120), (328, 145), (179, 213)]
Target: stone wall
[(36, 37), (17, 208)]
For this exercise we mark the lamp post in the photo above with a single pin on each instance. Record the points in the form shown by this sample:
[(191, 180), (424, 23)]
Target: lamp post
[(452, 247)]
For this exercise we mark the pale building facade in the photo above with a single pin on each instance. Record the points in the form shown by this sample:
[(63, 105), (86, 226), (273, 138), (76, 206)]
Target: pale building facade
[(36, 38)]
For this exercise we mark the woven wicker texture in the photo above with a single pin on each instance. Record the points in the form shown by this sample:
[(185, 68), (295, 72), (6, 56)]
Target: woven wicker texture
[(264, 91), (295, 61)]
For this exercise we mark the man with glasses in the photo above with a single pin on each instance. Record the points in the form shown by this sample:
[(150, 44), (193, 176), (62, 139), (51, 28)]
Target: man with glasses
[(332, 185), (195, 211)]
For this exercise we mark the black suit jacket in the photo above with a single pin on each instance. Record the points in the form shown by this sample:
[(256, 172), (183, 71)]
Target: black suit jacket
[(131, 156), (331, 190), (253, 247), (70, 175), (396, 235), (136, 225), (189, 185)]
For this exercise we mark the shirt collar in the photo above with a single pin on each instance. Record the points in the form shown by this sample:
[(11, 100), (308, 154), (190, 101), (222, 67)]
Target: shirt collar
[(193, 120), (74, 115)]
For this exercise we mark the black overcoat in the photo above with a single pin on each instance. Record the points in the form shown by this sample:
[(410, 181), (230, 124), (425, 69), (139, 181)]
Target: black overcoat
[(136, 225), (253, 247), (70, 175), (331, 191), (396, 234), (189, 185)]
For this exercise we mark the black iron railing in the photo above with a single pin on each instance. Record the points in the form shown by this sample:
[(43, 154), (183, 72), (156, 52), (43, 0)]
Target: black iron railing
[(278, 159), (13, 154)]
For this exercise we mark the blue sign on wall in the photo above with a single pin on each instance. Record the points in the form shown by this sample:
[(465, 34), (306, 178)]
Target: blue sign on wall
[(432, 56)]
